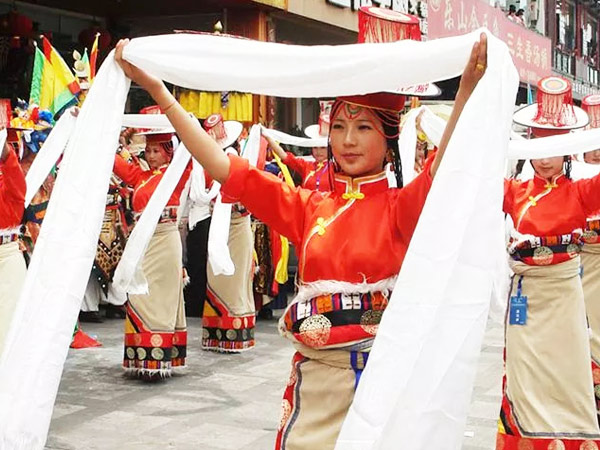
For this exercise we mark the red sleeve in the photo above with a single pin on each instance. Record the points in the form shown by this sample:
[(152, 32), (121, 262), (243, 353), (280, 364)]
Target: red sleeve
[(268, 198), (12, 189), (131, 174), (589, 194), (409, 202), (507, 205), (299, 165), (13, 179)]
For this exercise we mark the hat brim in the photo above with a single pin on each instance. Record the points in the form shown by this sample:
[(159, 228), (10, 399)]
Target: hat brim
[(233, 130), (524, 116), (157, 131), (313, 132), (421, 90)]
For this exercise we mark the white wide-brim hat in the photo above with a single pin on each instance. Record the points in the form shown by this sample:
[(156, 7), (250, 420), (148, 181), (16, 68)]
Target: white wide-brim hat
[(313, 132), (168, 130), (233, 130), (421, 90), (525, 115)]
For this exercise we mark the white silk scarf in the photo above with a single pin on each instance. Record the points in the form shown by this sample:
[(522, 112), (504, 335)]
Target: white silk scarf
[(288, 139), (417, 385)]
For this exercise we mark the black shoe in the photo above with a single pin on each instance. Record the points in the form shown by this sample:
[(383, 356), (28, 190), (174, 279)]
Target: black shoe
[(114, 312), (90, 317), (265, 313)]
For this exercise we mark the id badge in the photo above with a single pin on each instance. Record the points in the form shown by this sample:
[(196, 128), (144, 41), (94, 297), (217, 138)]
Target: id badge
[(518, 310)]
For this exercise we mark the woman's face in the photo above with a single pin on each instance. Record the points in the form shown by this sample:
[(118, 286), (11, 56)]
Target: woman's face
[(319, 153), (548, 167), (155, 156), (357, 141), (592, 157)]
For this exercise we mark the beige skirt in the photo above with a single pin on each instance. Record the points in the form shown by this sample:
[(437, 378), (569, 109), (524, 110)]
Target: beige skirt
[(548, 378), (229, 316), (590, 260), (155, 326), (317, 398), (12, 277)]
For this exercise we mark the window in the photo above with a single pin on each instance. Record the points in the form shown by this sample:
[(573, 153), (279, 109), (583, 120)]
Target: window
[(565, 16)]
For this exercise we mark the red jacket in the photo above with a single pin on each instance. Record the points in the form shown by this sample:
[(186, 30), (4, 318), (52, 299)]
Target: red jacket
[(359, 232), (145, 182), (551, 211), (12, 192)]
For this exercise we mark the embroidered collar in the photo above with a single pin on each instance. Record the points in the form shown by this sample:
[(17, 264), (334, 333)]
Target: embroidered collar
[(357, 188), (545, 184)]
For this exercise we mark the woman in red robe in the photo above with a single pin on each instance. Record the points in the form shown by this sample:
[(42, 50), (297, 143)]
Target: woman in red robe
[(351, 242), (155, 327), (548, 400)]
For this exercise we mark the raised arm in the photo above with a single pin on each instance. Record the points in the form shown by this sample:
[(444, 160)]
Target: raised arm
[(588, 190), (202, 147), (131, 174), (473, 72), (299, 165), (276, 148)]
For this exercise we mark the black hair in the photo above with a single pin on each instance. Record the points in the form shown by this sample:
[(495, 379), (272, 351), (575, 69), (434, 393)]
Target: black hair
[(519, 167), (568, 167)]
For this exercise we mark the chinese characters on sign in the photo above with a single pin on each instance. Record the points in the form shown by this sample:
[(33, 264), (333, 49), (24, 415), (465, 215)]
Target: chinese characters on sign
[(530, 51), (396, 5)]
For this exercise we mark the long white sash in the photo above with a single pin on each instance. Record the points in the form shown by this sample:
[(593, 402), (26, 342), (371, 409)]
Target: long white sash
[(297, 141)]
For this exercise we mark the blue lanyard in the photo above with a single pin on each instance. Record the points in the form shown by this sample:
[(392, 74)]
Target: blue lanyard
[(354, 363)]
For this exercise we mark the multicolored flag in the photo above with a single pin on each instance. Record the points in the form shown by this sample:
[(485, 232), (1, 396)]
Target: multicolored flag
[(37, 77), (53, 85)]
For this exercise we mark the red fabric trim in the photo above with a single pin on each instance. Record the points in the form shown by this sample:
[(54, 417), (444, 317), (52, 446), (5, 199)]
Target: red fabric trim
[(506, 442), (288, 402), (224, 320), (596, 377), (180, 338), (149, 339), (135, 319), (337, 335)]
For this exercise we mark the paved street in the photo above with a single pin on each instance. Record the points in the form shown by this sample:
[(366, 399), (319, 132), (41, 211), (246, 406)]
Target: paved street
[(223, 402)]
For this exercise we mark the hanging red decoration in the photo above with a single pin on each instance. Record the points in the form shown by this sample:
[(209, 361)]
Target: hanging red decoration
[(16, 24), (87, 36)]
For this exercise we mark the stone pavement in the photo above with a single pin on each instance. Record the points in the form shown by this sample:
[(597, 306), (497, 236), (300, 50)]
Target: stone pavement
[(223, 402)]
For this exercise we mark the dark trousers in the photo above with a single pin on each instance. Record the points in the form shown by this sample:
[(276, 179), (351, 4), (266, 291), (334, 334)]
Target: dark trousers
[(197, 259)]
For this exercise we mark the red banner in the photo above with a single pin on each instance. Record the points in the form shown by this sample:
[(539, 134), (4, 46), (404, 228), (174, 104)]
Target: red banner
[(531, 52)]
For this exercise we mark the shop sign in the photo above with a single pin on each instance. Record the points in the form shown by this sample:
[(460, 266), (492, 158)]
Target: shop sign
[(396, 5), (530, 51)]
